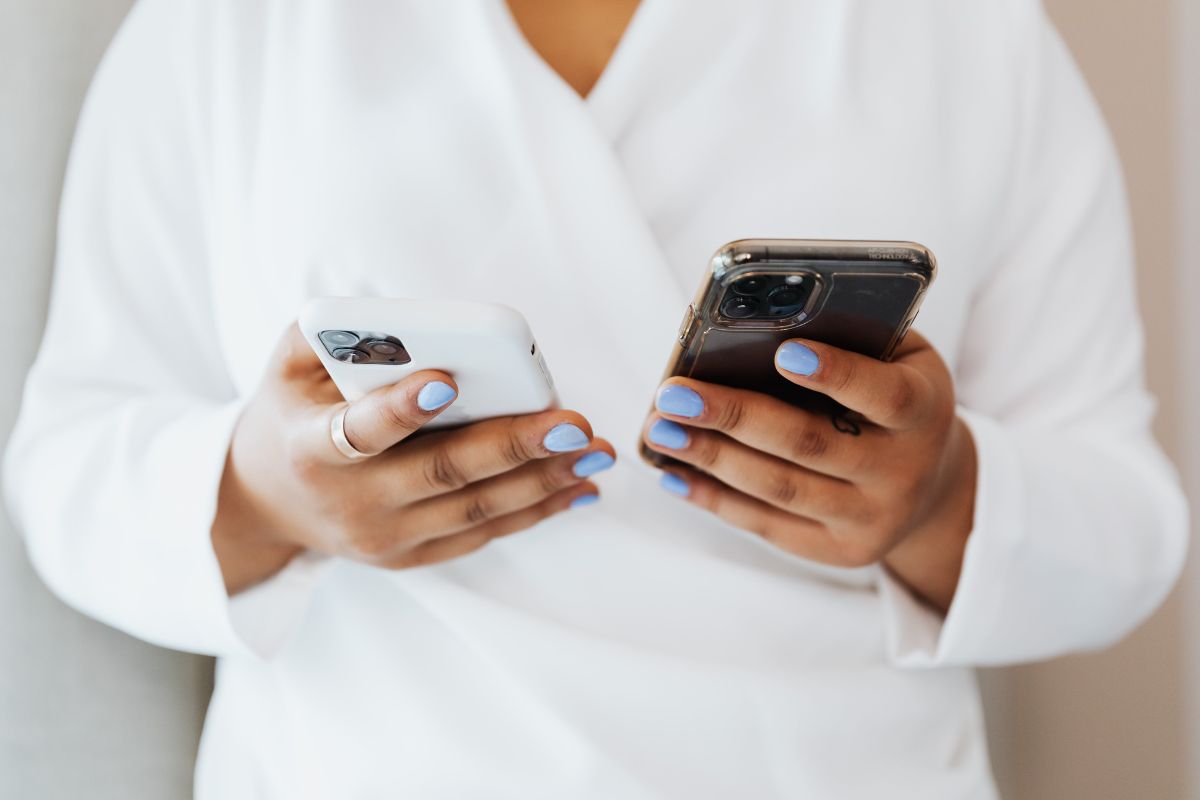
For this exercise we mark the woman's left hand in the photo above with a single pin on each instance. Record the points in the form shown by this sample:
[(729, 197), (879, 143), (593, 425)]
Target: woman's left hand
[(892, 482)]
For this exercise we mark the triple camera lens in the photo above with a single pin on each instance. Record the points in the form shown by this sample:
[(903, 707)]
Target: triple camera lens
[(770, 296), (364, 347)]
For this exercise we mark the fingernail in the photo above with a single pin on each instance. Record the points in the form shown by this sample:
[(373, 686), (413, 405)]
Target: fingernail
[(434, 395), (585, 500), (565, 437), (796, 358), (592, 463), (675, 484), (666, 433), (680, 401)]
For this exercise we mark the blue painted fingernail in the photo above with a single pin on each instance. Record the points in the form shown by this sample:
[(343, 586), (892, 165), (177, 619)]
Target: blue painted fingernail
[(675, 484), (666, 433), (795, 357), (585, 500), (680, 401), (434, 395), (565, 437), (592, 463)]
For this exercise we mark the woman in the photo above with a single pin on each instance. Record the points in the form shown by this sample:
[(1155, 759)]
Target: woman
[(802, 621)]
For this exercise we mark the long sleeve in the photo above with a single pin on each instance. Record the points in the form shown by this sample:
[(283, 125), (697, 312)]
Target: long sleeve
[(1080, 525), (113, 469)]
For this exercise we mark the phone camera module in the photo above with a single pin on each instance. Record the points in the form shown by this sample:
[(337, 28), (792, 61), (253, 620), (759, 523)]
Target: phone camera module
[(351, 355), (339, 338), (751, 285), (739, 307)]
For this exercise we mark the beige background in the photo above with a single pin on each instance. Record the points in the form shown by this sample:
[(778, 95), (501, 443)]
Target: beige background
[(1120, 724), (87, 712)]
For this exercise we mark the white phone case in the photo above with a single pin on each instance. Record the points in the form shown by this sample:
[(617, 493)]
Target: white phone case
[(487, 347)]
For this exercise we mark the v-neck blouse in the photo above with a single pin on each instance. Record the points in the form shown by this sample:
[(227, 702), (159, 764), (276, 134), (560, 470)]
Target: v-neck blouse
[(236, 157)]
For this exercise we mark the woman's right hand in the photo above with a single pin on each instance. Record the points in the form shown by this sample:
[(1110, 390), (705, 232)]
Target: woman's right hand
[(418, 500)]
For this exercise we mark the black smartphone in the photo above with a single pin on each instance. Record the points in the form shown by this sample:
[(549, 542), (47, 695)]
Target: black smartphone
[(859, 296)]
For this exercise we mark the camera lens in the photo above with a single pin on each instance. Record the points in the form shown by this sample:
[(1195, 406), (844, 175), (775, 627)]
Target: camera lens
[(785, 300), (351, 355), (784, 296), (739, 307), (339, 338), (749, 285), (381, 347)]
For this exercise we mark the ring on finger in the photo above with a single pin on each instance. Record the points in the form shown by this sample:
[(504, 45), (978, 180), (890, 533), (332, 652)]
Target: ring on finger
[(337, 432)]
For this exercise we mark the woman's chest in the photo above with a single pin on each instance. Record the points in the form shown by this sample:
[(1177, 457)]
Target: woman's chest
[(465, 169)]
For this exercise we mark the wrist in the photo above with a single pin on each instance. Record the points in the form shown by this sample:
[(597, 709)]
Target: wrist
[(248, 545), (929, 559)]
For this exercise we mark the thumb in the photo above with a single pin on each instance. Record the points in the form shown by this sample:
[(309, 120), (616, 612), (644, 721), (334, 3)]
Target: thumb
[(372, 423)]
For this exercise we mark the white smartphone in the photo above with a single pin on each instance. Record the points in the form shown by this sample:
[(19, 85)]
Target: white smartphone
[(369, 342)]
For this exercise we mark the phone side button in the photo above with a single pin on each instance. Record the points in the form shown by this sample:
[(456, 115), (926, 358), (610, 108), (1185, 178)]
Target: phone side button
[(687, 325)]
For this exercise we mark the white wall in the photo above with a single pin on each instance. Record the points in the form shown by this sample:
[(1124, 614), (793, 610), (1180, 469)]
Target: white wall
[(85, 712)]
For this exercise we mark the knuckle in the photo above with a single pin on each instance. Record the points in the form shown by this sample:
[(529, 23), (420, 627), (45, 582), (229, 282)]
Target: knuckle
[(392, 415), (477, 509), (705, 452), (731, 414), (442, 473), (513, 450), (903, 400), (551, 480), (784, 490), (809, 444), (842, 375)]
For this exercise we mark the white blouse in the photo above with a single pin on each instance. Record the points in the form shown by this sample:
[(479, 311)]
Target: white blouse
[(236, 157)]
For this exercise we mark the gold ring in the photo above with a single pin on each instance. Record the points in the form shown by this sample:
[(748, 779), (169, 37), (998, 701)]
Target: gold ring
[(337, 432)]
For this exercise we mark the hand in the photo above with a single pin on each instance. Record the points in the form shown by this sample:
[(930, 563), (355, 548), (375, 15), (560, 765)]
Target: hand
[(893, 480), (418, 500)]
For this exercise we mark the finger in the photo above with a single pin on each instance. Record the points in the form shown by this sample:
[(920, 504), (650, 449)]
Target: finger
[(302, 373), (803, 537), (391, 414), (767, 424), (783, 485), (446, 461), (894, 395), (293, 357), (504, 494), (465, 542)]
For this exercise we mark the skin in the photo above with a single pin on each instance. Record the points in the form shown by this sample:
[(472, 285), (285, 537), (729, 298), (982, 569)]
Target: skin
[(419, 499), (901, 493), (423, 499), (575, 37)]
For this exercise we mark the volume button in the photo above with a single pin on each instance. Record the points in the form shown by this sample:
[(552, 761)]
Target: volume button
[(687, 325)]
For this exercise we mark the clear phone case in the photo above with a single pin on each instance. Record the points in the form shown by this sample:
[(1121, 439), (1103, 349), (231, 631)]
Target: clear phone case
[(859, 296)]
